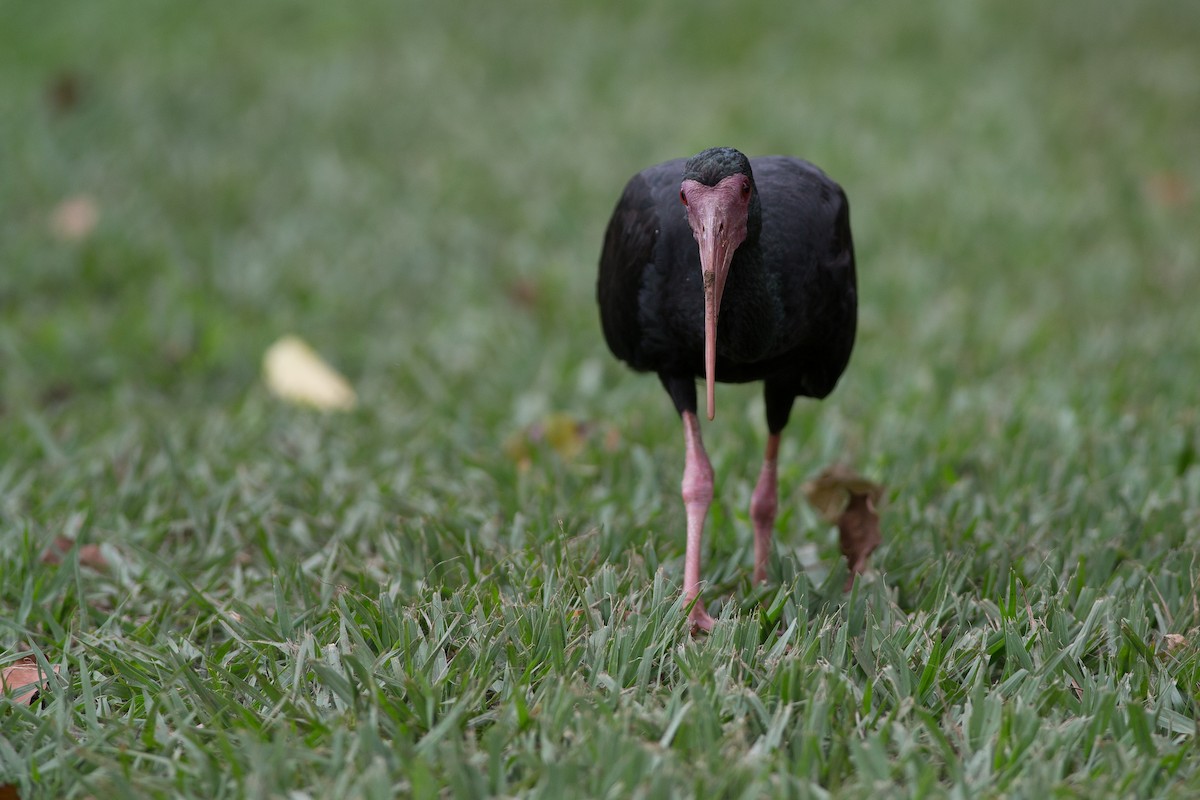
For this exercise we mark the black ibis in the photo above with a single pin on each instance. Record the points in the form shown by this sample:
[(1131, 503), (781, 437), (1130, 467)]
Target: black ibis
[(761, 245)]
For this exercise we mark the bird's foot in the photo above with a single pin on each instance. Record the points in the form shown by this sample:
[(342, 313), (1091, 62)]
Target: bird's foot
[(701, 621)]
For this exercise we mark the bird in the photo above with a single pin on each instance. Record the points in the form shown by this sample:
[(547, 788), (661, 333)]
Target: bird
[(726, 268)]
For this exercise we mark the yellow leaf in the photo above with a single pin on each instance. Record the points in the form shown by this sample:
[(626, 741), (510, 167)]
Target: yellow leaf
[(516, 447), (564, 433), (297, 374), (829, 493)]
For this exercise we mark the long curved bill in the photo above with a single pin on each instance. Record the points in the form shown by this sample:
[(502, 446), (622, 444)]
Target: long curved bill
[(715, 254)]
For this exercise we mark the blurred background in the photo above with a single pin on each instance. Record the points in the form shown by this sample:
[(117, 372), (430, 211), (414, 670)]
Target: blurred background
[(491, 542), (420, 191)]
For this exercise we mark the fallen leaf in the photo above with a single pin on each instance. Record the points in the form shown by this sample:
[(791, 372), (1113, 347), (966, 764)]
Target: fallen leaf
[(516, 447), (829, 493), (846, 498), (564, 433), (57, 549), (297, 374), (90, 555), (858, 534), (56, 393), (63, 92), (1167, 189), (74, 218), (1171, 643), (24, 679), (612, 439), (523, 293)]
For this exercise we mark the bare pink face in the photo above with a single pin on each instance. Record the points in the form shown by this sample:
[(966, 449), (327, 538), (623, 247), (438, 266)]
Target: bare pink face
[(717, 213), (717, 216)]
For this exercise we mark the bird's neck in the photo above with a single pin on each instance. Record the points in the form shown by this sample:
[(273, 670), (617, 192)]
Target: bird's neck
[(751, 310)]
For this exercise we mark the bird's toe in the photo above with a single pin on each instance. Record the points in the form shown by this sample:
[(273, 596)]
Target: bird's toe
[(701, 621)]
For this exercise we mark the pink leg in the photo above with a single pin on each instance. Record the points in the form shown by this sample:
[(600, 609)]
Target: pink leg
[(697, 496), (763, 504)]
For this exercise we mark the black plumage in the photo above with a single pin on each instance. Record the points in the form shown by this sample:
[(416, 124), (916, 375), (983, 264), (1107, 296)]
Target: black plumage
[(786, 312)]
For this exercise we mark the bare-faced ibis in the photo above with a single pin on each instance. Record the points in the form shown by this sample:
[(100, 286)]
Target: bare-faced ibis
[(761, 246)]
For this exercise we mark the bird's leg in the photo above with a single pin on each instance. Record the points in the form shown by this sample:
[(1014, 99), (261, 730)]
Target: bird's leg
[(763, 504), (697, 496)]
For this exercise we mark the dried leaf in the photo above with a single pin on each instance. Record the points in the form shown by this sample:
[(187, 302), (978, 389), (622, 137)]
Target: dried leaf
[(57, 549), (565, 435), (523, 293), (1171, 643), (1167, 189), (74, 218), (841, 495), (297, 374), (90, 555), (24, 679), (63, 92), (516, 447), (56, 393), (612, 439), (829, 493), (858, 534), (8, 791)]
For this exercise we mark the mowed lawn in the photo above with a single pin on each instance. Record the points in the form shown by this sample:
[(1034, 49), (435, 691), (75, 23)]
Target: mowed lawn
[(468, 585)]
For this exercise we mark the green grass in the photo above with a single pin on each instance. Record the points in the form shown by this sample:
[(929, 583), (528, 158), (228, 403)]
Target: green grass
[(384, 603)]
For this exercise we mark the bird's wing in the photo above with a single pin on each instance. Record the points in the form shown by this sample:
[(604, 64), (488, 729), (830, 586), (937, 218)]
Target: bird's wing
[(806, 228), (628, 251)]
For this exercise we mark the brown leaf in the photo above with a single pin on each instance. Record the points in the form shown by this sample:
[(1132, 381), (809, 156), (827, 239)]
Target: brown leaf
[(57, 549), (74, 218), (1167, 189), (858, 534), (24, 679), (1171, 643), (63, 92), (56, 393), (841, 495), (8, 791), (90, 555)]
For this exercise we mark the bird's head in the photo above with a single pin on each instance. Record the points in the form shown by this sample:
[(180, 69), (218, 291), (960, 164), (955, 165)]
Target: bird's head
[(721, 200)]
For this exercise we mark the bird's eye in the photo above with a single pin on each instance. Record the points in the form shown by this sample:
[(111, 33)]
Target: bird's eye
[(682, 197)]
